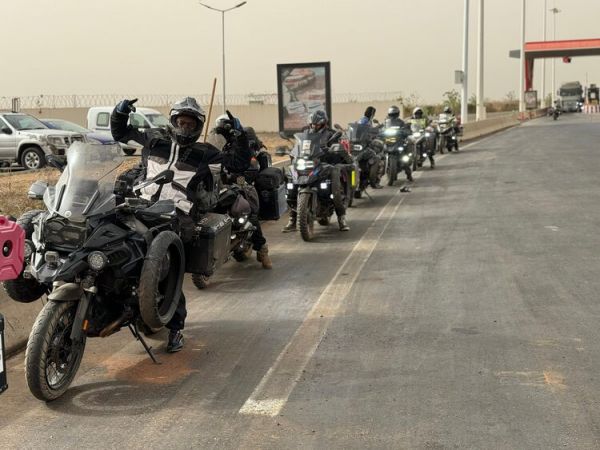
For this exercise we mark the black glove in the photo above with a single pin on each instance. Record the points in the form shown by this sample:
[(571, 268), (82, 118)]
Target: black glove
[(230, 127), (126, 107)]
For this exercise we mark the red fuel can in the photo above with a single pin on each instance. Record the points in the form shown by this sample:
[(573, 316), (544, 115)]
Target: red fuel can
[(12, 245)]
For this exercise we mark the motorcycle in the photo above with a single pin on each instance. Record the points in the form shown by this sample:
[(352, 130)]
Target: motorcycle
[(420, 142), (105, 260), (448, 139), (233, 204), (398, 154), (309, 187), (365, 149)]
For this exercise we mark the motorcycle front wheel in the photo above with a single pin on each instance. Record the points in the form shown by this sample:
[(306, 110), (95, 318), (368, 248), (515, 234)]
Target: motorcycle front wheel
[(51, 358), (306, 216), (392, 171)]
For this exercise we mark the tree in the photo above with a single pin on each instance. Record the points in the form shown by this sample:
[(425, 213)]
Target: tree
[(452, 99)]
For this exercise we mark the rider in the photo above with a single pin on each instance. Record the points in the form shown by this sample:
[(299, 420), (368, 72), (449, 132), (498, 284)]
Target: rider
[(229, 176), (367, 119), (177, 149), (453, 121), (318, 123), (421, 121)]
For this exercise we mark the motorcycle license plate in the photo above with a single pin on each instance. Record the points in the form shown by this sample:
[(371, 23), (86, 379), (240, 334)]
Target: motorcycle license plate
[(3, 382)]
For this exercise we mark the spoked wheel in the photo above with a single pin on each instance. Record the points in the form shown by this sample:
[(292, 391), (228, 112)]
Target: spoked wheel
[(306, 217), (200, 281), (52, 359)]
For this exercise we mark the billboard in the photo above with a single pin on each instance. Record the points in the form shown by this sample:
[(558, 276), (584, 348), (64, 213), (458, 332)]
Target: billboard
[(531, 99), (302, 89)]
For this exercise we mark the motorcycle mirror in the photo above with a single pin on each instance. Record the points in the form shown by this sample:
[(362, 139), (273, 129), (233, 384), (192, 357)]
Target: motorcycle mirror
[(282, 135), (282, 151), (57, 163), (338, 127), (376, 122), (37, 189)]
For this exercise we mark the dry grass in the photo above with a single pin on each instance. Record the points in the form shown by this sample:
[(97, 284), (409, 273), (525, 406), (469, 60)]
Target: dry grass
[(14, 186)]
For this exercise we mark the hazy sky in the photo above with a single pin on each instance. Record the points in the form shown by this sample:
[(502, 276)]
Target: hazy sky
[(174, 46)]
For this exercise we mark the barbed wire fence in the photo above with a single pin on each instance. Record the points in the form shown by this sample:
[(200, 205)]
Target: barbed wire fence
[(166, 100)]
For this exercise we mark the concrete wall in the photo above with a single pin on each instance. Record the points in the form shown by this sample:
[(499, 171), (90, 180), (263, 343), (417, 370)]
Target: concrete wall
[(264, 118)]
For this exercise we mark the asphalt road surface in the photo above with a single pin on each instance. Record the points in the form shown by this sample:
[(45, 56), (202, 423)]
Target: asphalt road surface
[(463, 314)]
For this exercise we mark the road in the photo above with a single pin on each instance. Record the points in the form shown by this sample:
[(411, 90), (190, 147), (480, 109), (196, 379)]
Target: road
[(463, 314)]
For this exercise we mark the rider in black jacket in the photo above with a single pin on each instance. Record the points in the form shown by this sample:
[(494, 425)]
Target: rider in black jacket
[(319, 124), (177, 150)]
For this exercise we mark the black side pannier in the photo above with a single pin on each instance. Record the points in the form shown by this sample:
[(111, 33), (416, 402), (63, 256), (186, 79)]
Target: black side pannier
[(273, 203), (269, 179), (209, 246)]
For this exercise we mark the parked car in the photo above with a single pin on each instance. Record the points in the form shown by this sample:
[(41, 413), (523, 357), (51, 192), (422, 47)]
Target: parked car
[(60, 124), (27, 141), (98, 121)]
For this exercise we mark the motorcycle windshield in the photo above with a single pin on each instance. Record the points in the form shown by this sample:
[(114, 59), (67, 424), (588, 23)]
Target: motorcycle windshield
[(359, 133), (308, 146), (86, 186)]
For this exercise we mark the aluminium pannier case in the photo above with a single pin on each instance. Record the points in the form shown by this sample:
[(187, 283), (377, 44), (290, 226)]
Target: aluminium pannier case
[(209, 247)]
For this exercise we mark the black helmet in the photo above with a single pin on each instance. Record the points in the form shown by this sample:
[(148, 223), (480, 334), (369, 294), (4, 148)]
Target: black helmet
[(318, 118), (394, 112), (186, 107), (418, 112), (370, 112), (447, 110)]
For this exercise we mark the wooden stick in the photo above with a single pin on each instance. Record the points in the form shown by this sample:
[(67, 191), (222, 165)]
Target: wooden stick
[(212, 99)]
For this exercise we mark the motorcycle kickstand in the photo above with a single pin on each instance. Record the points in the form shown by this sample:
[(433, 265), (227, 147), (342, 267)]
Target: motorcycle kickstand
[(136, 334), (370, 198)]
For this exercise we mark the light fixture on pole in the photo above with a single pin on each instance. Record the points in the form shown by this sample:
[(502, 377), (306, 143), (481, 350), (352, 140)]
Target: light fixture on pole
[(555, 11), (223, 11)]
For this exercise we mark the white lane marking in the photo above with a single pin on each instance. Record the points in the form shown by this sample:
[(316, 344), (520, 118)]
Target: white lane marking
[(273, 391)]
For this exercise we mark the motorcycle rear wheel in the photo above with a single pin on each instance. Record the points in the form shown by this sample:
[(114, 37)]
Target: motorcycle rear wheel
[(305, 217), (51, 358)]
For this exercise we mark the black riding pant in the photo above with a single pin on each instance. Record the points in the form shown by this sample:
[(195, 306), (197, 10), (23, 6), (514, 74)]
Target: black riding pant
[(178, 320)]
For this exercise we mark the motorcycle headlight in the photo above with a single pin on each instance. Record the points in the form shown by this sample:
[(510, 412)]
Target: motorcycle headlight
[(427, 134), (400, 148), (28, 250), (405, 158), (303, 164), (97, 260)]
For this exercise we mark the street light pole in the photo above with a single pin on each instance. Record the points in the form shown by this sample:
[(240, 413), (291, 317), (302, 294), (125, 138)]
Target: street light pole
[(464, 111), (544, 59), (522, 69), (555, 11), (223, 11), (480, 112)]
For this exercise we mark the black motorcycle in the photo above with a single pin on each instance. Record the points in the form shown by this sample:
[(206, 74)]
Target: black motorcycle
[(366, 150), (105, 260), (309, 190), (398, 154)]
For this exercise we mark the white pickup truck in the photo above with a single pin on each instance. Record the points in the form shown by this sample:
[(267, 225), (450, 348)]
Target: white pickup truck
[(98, 120)]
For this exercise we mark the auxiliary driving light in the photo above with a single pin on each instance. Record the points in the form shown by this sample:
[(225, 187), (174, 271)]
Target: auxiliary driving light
[(51, 257), (97, 260), (323, 185), (290, 186)]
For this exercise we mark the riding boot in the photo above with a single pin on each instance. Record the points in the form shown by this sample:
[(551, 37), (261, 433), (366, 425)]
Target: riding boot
[(262, 256), (343, 224), (291, 225)]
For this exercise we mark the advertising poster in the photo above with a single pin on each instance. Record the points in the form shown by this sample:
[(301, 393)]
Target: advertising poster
[(531, 99), (302, 89)]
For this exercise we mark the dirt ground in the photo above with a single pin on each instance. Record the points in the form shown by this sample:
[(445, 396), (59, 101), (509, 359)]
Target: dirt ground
[(14, 186)]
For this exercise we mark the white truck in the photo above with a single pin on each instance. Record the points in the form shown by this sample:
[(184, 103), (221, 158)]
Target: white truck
[(98, 120), (571, 95)]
